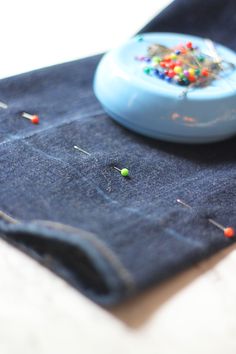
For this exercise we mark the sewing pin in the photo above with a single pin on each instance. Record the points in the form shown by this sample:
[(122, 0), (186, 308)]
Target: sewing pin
[(229, 232), (81, 150), (213, 51), (218, 60), (3, 105), (124, 171), (183, 203), (32, 117)]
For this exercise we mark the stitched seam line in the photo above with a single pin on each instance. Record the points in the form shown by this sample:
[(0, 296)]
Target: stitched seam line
[(8, 218), (107, 253)]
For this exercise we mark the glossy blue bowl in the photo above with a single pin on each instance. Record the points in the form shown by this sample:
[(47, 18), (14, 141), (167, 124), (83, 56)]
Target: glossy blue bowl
[(155, 108)]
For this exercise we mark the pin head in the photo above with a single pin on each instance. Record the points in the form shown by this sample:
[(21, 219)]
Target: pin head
[(229, 232), (124, 172), (35, 119), (139, 38)]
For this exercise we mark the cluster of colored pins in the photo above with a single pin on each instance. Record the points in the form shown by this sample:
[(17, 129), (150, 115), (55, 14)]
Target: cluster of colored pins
[(229, 231), (123, 171), (183, 65)]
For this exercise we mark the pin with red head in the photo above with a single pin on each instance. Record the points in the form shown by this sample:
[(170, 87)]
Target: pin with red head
[(229, 231), (32, 117)]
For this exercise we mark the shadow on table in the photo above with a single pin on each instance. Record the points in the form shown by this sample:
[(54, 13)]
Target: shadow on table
[(137, 311)]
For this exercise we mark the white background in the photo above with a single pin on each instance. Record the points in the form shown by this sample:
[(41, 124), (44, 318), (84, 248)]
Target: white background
[(39, 33)]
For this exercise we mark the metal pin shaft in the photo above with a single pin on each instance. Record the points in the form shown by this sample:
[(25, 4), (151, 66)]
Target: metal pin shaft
[(81, 150), (3, 105)]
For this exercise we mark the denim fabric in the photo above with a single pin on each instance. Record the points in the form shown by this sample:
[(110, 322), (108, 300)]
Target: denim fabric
[(109, 236)]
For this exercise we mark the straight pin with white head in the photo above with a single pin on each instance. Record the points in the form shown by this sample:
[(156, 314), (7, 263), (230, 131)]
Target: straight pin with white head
[(32, 117), (213, 51), (219, 61), (124, 171), (229, 232), (81, 150), (3, 105)]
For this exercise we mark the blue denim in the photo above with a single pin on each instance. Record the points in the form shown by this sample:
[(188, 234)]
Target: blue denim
[(110, 236)]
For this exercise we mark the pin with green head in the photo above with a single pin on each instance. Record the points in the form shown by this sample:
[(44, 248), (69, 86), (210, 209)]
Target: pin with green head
[(124, 171)]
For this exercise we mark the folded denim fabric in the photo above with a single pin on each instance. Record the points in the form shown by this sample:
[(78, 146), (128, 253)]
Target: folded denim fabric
[(108, 236)]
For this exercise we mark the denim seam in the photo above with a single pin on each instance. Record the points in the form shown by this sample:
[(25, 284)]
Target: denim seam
[(104, 250), (8, 218)]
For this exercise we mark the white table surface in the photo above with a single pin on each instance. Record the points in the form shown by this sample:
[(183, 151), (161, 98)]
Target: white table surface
[(36, 34), (39, 313)]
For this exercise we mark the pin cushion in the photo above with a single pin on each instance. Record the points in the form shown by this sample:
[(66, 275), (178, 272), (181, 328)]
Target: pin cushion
[(169, 86)]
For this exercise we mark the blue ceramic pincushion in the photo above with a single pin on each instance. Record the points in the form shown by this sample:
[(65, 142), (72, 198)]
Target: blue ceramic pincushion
[(192, 102)]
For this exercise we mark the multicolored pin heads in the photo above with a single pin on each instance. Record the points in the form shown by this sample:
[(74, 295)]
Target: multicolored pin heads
[(3, 105), (229, 231), (124, 171), (32, 117), (184, 64)]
